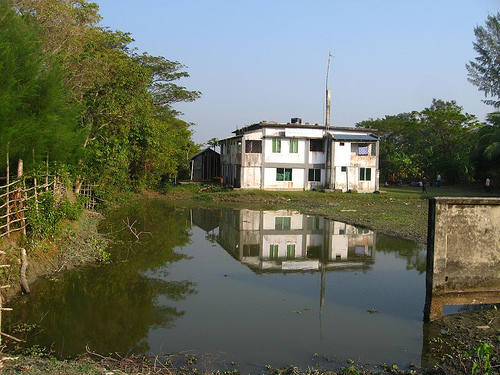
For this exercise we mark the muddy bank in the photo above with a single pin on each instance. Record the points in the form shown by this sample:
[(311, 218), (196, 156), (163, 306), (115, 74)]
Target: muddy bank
[(74, 244), (456, 342)]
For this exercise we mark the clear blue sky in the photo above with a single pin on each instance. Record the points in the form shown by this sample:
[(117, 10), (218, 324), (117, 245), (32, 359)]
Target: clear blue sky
[(266, 59)]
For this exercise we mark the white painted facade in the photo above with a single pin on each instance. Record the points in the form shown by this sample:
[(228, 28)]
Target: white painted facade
[(281, 156)]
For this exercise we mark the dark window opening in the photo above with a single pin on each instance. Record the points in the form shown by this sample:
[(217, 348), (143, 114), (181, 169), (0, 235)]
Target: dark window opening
[(316, 145), (253, 147), (343, 169), (365, 174), (315, 174), (314, 252), (251, 250)]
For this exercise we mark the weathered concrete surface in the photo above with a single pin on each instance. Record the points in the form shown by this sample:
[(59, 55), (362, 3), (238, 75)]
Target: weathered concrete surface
[(463, 253)]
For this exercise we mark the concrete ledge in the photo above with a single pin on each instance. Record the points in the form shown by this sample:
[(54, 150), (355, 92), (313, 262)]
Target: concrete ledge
[(463, 249), (467, 200)]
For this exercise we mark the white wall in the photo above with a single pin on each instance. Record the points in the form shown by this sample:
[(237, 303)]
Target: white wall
[(251, 177), (284, 156), (271, 183), (342, 154)]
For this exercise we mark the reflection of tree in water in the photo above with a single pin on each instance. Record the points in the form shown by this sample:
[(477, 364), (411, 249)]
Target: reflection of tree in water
[(111, 308), (412, 251)]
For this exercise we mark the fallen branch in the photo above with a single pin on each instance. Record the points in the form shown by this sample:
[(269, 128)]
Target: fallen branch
[(11, 337), (133, 230)]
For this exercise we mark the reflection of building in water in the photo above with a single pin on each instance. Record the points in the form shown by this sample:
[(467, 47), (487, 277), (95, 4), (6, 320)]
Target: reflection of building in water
[(289, 241)]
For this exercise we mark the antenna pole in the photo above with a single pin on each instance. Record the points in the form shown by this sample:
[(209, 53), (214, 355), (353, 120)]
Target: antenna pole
[(328, 99)]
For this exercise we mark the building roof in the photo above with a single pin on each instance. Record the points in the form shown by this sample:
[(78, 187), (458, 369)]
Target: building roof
[(355, 137), (266, 124), (202, 152)]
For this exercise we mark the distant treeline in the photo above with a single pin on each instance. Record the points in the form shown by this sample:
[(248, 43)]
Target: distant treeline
[(76, 91), (441, 140)]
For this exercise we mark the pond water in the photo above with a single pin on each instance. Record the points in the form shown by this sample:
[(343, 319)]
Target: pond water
[(246, 285)]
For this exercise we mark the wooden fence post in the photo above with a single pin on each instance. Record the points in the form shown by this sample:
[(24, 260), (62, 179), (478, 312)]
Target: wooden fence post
[(20, 195), (47, 173), (36, 196)]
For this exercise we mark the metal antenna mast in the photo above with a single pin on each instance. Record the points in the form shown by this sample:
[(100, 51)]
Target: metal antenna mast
[(328, 96)]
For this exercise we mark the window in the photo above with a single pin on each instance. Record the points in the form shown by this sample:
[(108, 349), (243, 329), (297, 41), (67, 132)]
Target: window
[(294, 146), (361, 149), (316, 145), (341, 143), (365, 174), (290, 251), (282, 223), (343, 169), (313, 223), (283, 174), (273, 251), (276, 145), (251, 250), (253, 147), (315, 174)]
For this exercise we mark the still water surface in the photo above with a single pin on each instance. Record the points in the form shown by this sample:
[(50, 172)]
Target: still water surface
[(251, 286)]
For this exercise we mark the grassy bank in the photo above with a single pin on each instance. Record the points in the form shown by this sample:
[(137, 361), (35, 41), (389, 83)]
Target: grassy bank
[(400, 211), (73, 243)]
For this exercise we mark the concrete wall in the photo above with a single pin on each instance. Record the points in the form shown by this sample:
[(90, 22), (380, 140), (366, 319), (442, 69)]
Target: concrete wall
[(463, 252)]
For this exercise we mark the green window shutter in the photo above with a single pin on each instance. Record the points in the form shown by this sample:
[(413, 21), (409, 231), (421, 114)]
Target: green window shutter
[(368, 174), (294, 146), (278, 223), (311, 175), (286, 223), (288, 174), (290, 251), (361, 174), (273, 251), (276, 145)]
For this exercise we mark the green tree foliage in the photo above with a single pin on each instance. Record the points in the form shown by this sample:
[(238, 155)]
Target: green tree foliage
[(438, 139), (484, 71), (34, 112), (486, 155), (131, 136), (213, 142)]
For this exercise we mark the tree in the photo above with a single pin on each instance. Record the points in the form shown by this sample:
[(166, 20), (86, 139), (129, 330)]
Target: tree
[(213, 142), (486, 155), (131, 135), (484, 71), (35, 114), (438, 139)]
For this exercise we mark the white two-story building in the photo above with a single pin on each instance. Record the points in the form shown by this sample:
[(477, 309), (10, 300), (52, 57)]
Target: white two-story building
[(298, 156)]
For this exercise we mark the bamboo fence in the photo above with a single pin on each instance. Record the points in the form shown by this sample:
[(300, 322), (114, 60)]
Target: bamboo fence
[(16, 195)]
